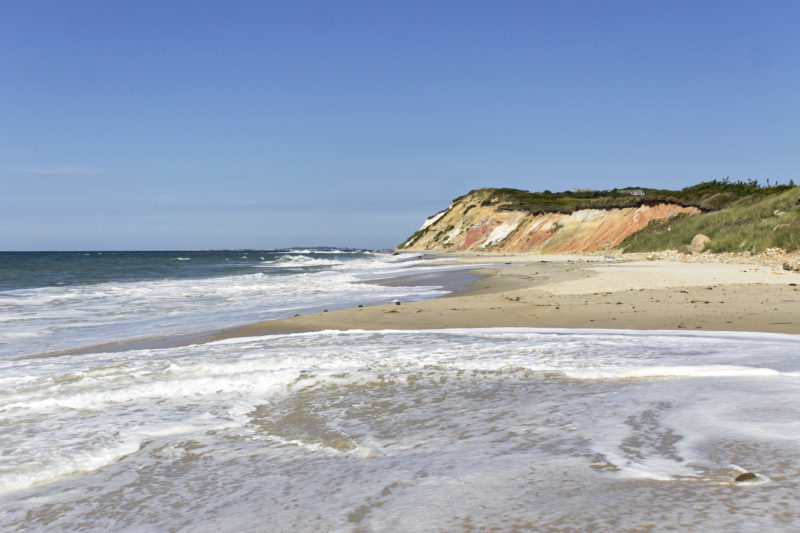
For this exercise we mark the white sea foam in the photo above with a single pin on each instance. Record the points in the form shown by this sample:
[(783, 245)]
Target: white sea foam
[(407, 430), (324, 252), (53, 318), (86, 412), (297, 261)]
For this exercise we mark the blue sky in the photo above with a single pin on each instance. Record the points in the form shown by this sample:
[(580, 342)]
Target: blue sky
[(165, 125)]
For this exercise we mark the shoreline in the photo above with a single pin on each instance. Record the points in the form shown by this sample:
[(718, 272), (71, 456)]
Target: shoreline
[(662, 291), (582, 291)]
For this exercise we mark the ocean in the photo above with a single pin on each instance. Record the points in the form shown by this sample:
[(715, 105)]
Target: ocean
[(503, 429), (51, 301)]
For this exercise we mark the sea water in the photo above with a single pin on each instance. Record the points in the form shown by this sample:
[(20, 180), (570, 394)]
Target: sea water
[(436, 430), (51, 301)]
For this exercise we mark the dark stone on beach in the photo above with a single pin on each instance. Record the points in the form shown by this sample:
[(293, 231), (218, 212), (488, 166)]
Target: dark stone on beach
[(397, 303), (747, 476), (787, 266), (684, 250), (325, 311), (360, 305)]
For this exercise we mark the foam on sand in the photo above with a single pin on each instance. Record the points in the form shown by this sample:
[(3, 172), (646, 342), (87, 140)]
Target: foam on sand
[(411, 427)]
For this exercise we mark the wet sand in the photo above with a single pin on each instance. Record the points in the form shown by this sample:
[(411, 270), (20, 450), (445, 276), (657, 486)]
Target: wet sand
[(573, 291)]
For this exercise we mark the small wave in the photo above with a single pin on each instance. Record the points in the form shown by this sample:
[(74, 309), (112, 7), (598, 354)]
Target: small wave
[(321, 252), (296, 261), (181, 258), (66, 463)]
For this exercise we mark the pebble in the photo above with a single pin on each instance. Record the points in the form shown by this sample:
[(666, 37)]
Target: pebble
[(771, 257)]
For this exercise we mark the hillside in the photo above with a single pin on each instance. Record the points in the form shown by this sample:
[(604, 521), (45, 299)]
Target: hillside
[(738, 215), (753, 223)]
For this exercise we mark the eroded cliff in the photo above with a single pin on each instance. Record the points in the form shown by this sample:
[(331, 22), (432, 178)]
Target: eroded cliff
[(477, 222)]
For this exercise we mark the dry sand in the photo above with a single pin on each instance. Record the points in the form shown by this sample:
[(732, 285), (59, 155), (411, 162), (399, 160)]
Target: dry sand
[(586, 291)]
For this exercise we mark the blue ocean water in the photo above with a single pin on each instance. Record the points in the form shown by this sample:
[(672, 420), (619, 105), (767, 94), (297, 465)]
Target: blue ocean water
[(52, 301), (23, 270)]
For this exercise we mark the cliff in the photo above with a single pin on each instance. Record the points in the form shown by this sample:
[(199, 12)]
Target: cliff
[(486, 220)]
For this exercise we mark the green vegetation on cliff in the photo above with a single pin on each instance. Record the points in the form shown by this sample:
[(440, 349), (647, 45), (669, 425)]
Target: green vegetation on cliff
[(757, 220), (706, 196)]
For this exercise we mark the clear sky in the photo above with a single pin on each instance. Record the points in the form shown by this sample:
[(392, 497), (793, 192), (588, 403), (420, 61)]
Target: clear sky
[(229, 124)]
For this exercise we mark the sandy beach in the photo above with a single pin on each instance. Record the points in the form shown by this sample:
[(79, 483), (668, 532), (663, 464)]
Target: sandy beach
[(643, 291)]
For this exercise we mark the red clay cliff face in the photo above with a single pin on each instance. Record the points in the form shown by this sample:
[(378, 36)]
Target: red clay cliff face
[(467, 225), (478, 233)]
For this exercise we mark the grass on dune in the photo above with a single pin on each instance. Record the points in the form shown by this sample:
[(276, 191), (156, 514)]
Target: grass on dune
[(707, 196), (753, 223)]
